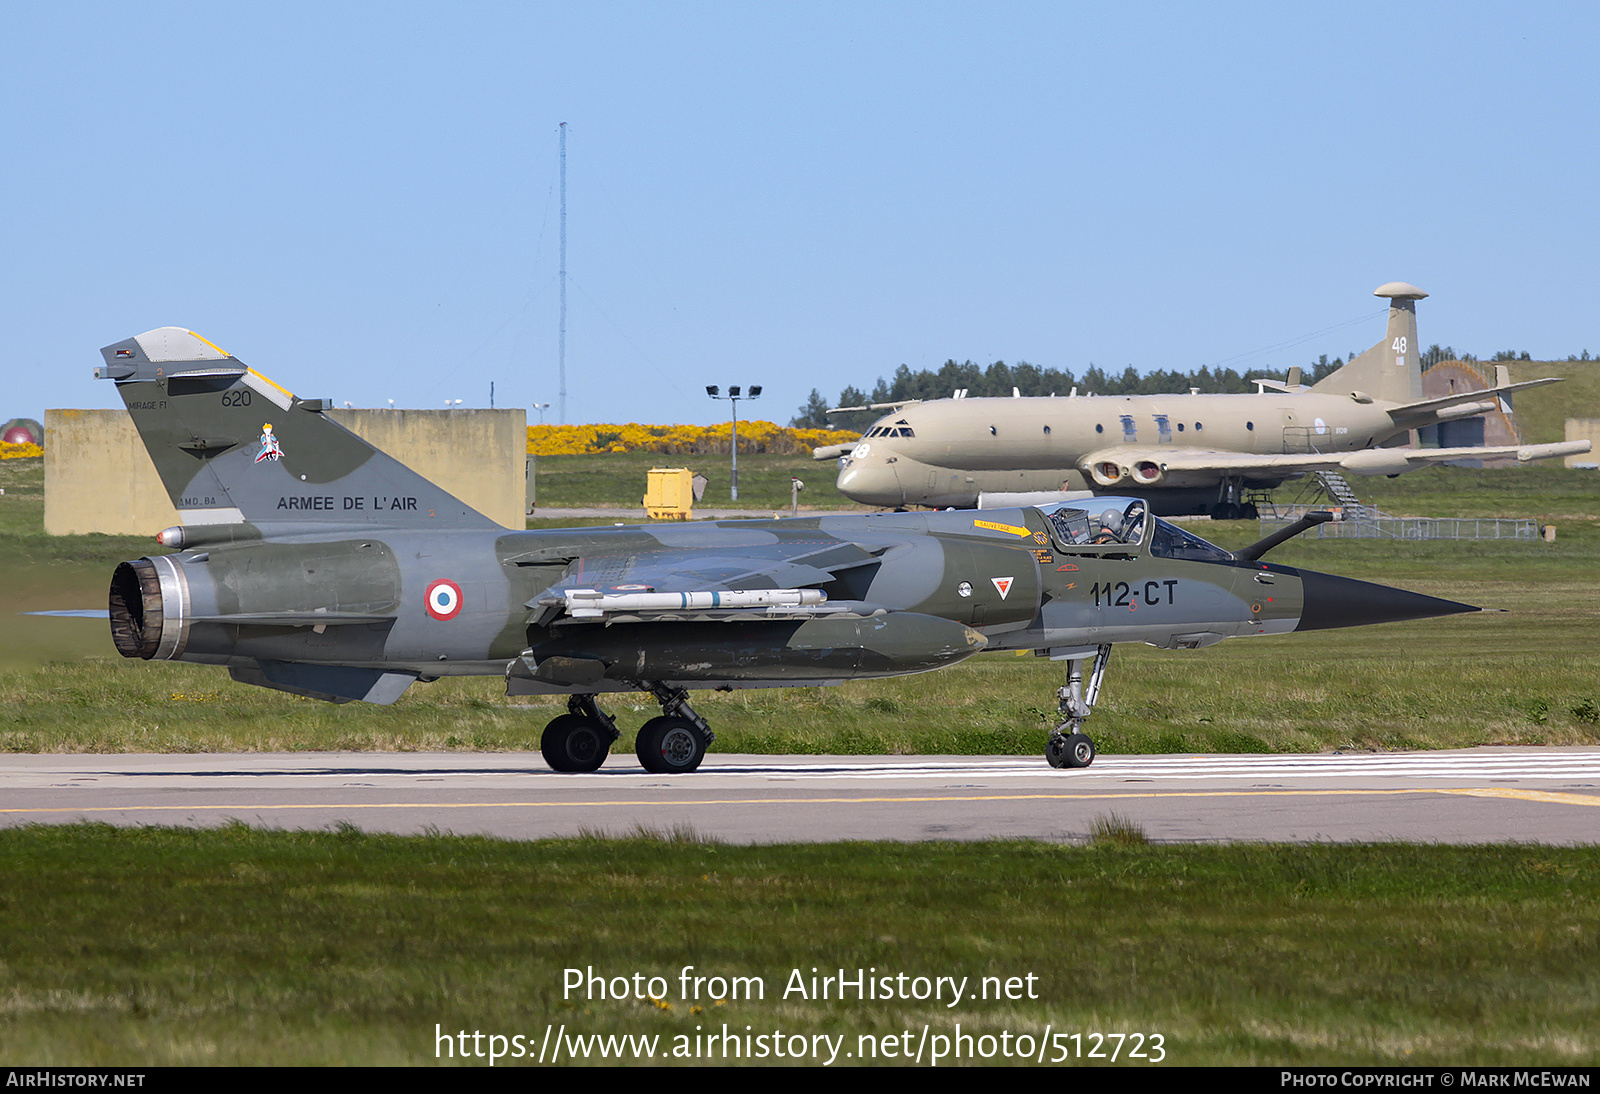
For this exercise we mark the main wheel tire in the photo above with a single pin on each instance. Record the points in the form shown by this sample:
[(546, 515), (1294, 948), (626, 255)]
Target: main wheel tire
[(1055, 751), (573, 743), (1079, 750), (670, 746)]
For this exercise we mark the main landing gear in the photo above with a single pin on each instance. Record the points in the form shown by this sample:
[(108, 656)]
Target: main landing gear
[(1231, 504), (672, 744), (676, 742), (580, 739), (1069, 746)]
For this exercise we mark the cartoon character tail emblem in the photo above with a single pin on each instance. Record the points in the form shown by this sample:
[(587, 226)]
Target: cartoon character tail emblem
[(269, 445)]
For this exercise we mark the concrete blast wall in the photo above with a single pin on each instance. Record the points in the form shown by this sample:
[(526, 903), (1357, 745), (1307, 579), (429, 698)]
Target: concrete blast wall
[(99, 478), (1583, 429)]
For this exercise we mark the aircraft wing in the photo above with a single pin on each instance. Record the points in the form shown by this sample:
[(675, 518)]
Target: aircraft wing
[(1463, 404), (1150, 464), (746, 573), (751, 607)]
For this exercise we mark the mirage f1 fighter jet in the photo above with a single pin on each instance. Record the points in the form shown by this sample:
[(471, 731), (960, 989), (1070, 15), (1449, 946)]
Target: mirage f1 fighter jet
[(310, 562)]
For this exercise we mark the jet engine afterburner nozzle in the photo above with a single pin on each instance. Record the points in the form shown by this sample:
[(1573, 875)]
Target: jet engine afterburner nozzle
[(146, 605)]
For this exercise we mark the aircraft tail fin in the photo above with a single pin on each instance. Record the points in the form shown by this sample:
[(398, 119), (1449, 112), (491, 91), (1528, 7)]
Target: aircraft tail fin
[(233, 447), (1390, 371)]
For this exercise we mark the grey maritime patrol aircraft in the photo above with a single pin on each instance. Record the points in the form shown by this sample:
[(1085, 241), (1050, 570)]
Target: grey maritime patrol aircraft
[(310, 562), (1182, 453)]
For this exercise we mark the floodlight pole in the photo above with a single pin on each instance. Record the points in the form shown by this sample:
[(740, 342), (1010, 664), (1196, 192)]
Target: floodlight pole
[(733, 396)]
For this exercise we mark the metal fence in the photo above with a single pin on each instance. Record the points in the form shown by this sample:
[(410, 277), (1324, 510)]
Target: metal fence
[(1368, 523)]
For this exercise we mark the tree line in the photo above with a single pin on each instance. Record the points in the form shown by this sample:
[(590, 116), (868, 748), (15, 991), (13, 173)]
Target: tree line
[(1000, 379)]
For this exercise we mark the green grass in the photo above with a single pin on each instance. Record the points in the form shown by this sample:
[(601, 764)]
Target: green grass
[(128, 947)]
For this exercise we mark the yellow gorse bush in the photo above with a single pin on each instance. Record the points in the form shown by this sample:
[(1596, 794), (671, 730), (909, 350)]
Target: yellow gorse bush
[(19, 451), (679, 440)]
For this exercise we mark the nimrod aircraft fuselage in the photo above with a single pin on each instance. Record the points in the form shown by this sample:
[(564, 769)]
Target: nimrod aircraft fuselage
[(1182, 453)]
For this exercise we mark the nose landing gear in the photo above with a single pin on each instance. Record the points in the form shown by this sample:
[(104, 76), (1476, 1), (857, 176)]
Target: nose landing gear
[(1069, 746)]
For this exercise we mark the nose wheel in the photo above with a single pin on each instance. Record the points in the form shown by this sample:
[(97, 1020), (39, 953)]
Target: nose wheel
[(1070, 750), (1069, 746)]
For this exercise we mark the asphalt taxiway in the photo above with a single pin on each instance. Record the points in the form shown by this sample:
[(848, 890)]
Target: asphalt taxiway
[(1483, 795)]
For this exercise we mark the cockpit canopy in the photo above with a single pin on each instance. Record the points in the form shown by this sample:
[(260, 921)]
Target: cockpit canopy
[(885, 428), (1108, 521), (1123, 526)]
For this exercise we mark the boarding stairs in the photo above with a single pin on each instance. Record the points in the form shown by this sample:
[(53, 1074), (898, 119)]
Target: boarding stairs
[(1354, 519)]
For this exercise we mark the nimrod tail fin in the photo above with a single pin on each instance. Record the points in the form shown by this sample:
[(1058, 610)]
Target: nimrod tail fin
[(231, 446), (1390, 371)]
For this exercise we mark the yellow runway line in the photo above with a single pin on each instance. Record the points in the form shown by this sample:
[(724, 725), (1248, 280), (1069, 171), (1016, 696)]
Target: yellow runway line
[(1527, 795), (1482, 792)]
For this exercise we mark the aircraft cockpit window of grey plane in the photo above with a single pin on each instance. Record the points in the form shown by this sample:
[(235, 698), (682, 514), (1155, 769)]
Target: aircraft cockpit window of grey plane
[(1108, 522), (1170, 541)]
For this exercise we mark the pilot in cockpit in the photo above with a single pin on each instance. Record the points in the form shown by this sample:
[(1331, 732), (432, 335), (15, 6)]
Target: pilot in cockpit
[(1122, 523), (1132, 518)]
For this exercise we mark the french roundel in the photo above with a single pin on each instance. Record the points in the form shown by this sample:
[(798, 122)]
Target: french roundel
[(444, 599)]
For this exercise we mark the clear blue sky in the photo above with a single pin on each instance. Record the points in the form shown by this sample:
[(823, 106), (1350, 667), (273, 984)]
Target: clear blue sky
[(360, 200)]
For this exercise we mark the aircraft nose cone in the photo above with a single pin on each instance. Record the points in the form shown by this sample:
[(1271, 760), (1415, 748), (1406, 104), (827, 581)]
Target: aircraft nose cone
[(1344, 602), (870, 484)]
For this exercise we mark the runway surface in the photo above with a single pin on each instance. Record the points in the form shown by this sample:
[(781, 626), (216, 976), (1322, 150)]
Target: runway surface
[(1547, 795)]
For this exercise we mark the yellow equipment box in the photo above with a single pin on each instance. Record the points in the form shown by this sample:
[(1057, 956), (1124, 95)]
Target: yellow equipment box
[(669, 493)]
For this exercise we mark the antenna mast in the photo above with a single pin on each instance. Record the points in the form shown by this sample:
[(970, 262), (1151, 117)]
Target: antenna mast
[(561, 349)]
